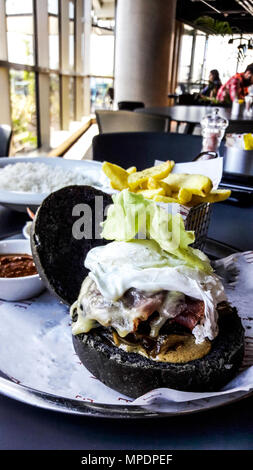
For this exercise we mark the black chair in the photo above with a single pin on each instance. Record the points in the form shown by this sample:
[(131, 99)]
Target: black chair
[(130, 105), (5, 140), (141, 149), (239, 127), (127, 121), (186, 99)]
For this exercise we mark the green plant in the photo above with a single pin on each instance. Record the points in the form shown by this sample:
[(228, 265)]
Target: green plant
[(212, 26), (23, 110), (23, 106)]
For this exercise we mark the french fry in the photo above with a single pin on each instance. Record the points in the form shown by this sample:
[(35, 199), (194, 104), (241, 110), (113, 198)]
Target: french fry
[(166, 187), (166, 199), (156, 184), (217, 195), (184, 196), (117, 175), (199, 185), (131, 170), (143, 185), (151, 193), (159, 184), (152, 183), (157, 172)]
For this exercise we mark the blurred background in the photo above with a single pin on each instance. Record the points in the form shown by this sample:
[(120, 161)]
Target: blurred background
[(57, 61)]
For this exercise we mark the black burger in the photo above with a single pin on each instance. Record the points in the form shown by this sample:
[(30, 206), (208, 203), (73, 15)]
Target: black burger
[(147, 309)]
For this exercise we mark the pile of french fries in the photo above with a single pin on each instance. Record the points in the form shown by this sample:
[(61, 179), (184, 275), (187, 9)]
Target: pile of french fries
[(159, 184)]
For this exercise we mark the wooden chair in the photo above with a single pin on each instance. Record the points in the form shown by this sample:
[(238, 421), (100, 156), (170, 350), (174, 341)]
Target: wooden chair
[(130, 105)]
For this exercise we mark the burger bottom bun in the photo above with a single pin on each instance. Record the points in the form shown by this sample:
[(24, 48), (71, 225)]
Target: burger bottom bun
[(134, 375)]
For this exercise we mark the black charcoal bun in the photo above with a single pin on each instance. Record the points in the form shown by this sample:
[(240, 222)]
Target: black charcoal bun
[(58, 255), (134, 375), (59, 258)]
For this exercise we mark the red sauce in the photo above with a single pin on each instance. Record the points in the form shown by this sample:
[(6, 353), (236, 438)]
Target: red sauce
[(17, 265)]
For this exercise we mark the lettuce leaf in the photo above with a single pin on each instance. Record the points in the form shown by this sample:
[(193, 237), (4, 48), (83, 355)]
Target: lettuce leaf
[(132, 216)]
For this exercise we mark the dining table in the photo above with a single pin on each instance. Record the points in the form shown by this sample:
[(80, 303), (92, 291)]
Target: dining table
[(191, 115), (26, 426)]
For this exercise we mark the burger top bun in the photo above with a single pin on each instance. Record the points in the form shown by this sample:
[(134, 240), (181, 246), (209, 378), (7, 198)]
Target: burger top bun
[(65, 228)]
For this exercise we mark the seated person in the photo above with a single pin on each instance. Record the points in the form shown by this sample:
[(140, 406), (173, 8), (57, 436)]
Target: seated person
[(236, 87), (210, 91)]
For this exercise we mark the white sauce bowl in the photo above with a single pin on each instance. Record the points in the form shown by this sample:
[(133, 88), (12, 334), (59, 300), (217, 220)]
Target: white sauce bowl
[(19, 288), (27, 230)]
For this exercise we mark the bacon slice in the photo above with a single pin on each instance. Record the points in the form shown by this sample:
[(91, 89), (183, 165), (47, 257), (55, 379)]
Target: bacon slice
[(124, 314), (188, 313), (131, 312), (144, 303), (191, 312)]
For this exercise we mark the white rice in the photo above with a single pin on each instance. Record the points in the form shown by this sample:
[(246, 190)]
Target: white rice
[(39, 178)]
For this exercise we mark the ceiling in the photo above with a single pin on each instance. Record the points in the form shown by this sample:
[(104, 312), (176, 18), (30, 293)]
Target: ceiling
[(230, 10), (188, 11)]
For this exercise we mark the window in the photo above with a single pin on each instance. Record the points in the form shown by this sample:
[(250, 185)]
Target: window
[(20, 31), (22, 83), (53, 7), (72, 34), (53, 32), (71, 99), (199, 59), (51, 61), (101, 93), (199, 56), (23, 110), (185, 56), (226, 62), (54, 103), (101, 64)]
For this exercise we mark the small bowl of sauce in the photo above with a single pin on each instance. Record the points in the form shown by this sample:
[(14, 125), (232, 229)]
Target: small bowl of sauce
[(19, 278), (17, 265)]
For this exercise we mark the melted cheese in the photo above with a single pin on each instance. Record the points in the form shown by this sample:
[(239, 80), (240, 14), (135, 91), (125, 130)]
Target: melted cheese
[(119, 266), (178, 349)]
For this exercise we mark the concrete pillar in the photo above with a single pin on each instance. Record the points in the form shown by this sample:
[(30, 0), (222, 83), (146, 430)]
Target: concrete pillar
[(143, 36)]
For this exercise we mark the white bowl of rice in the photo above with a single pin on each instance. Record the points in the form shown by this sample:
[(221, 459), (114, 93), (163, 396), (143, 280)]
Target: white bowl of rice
[(26, 181)]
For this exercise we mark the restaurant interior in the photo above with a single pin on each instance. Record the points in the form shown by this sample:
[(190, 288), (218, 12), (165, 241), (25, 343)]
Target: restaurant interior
[(135, 84)]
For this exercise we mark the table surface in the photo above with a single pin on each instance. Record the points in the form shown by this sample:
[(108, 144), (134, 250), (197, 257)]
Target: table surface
[(228, 427), (193, 114)]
